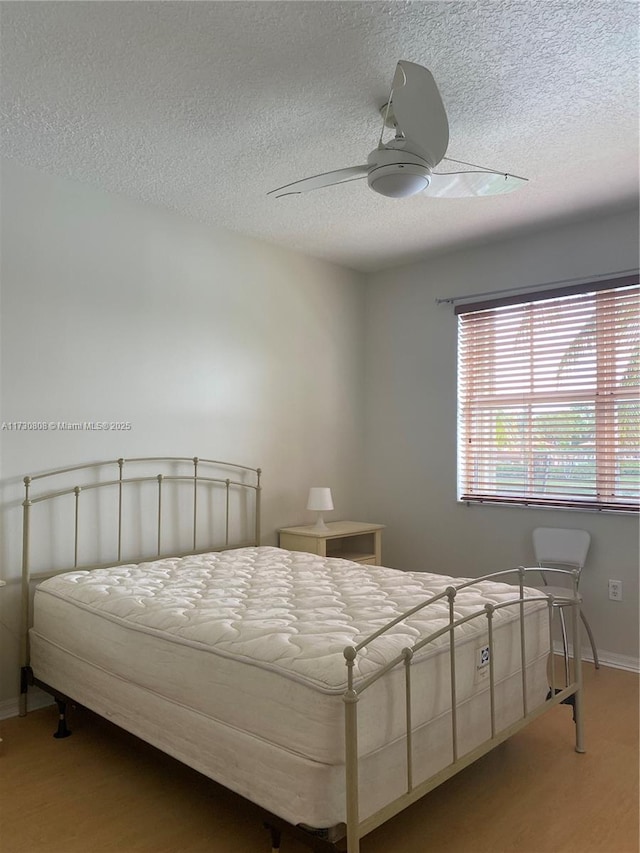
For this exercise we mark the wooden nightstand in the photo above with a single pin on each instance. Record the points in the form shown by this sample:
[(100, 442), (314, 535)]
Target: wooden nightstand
[(349, 540)]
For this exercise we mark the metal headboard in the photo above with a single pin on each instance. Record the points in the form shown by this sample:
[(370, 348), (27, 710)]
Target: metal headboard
[(200, 474)]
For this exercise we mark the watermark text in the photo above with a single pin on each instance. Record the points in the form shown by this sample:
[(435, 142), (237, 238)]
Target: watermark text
[(65, 426)]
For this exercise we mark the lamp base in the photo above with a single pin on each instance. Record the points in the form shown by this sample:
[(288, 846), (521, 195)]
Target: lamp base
[(320, 525)]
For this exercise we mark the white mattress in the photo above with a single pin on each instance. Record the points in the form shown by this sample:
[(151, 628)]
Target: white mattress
[(247, 646)]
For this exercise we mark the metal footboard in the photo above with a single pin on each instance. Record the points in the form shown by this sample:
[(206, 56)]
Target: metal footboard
[(571, 692)]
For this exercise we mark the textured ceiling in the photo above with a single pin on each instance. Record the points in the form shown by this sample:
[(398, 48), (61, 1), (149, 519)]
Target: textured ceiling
[(205, 106)]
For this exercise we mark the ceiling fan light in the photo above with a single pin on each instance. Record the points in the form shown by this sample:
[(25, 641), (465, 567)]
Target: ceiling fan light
[(399, 180)]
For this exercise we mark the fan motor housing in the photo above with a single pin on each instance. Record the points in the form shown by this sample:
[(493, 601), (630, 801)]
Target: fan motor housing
[(397, 174)]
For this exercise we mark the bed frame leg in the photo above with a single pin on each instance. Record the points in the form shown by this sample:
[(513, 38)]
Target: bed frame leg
[(26, 678), (276, 837), (62, 730)]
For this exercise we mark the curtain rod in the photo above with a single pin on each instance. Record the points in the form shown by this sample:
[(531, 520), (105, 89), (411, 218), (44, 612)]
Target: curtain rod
[(450, 300)]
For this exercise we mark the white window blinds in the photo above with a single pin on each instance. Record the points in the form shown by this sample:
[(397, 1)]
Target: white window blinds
[(548, 406)]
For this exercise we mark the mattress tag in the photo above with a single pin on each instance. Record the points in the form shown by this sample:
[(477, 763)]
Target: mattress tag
[(482, 663)]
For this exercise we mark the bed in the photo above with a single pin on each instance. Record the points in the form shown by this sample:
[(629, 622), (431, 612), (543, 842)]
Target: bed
[(330, 693)]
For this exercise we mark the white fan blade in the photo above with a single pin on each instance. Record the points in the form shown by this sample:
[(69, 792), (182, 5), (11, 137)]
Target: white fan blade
[(469, 184), (316, 182), (419, 111), (399, 78)]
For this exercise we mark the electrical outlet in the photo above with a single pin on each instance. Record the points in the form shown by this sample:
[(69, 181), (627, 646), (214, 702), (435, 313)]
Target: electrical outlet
[(615, 590)]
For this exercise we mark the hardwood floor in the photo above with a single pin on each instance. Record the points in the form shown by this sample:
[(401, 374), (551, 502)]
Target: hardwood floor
[(103, 790)]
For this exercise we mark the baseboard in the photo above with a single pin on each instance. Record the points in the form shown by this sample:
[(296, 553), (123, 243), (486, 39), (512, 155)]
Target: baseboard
[(36, 699), (615, 661)]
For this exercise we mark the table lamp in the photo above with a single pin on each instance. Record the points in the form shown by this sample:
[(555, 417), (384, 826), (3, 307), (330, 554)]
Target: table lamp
[(320, 500)]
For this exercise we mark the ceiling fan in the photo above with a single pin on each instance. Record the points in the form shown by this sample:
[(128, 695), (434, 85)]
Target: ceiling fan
[(405, 165)]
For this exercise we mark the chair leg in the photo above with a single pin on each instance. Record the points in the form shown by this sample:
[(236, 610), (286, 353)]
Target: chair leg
[(591, 640), (563, 629)]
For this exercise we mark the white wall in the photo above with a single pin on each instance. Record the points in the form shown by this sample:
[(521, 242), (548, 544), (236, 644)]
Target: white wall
[(411, 420), (208, 343)]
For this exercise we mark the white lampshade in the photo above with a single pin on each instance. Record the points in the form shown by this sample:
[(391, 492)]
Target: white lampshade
[(320, 500)]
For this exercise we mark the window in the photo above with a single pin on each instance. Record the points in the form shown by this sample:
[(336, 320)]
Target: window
[(548, 407)]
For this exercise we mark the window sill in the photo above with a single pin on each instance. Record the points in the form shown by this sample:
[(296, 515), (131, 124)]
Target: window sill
[(556, 507)]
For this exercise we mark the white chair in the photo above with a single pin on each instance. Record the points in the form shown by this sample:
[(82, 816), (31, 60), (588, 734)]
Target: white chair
[(558, 548)]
